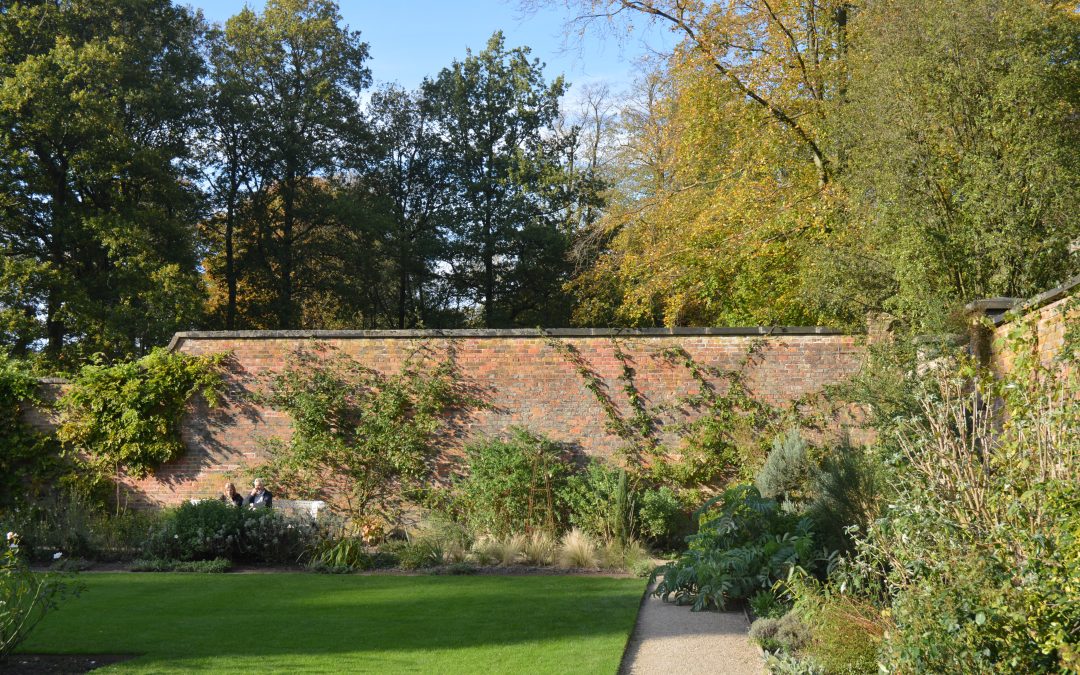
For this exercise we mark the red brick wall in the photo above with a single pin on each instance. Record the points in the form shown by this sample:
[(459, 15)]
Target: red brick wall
[(523, 378), (1049, 316)]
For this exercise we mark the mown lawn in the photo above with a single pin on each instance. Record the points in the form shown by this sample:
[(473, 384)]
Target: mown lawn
[(301, 623)]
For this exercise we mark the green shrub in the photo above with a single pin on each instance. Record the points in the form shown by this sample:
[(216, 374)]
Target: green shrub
[(514, 485), (745, 543), (344, 554), (978, 546), (788, 633), (127, 415), (215, 566), (591, 494), (419, 554), (787, 469), (65, 519), (26, 596), (765, 605), (662, 519), (847, 634), (212, 529), (845, 495)]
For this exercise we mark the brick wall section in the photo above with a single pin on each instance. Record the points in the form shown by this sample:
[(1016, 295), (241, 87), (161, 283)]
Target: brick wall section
[(522, 377), (1051, 314)]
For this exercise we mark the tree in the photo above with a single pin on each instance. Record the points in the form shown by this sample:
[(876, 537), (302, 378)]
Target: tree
[(97, 106), (713, 212), (232, 141), (964, 170), (406, 184), (301, 74), (504, 168)]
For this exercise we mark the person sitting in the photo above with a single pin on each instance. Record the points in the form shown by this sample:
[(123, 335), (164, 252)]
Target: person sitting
[(231, 496), (259, 496)]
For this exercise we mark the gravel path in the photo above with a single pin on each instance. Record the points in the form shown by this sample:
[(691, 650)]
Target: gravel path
[(671, 639)]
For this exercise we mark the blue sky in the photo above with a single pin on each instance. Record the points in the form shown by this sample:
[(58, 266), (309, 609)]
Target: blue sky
[(411, 39)]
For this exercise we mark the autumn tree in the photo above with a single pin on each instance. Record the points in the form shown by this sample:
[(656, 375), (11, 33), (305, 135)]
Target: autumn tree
[(98, 102)]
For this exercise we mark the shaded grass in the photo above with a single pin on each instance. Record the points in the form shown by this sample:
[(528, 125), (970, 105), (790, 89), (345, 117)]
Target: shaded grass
[(314, 623)]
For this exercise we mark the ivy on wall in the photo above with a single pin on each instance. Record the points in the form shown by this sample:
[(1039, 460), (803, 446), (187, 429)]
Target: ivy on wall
[(126, 416), (724, 440)]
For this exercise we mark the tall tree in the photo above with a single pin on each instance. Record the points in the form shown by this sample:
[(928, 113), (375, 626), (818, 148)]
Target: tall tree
[(408, 188), (232, 141), (729, 171), (964, 177), (98, 101), (505, 169), (301, 74)]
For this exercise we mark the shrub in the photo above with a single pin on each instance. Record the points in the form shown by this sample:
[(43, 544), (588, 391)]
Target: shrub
[(577, 550), (212, 529), (787, 634), (420, 553), (746, 543), (662, 519), (599, 500), (847, 634), (26, 596), (514, 485), (65, 519), (787, 469), (845, 494), (978, 546), (765, 605), (345, 554)]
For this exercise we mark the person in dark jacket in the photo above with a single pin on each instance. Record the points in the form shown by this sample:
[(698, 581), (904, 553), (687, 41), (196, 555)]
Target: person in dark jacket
[(259, 496), (231, 496)]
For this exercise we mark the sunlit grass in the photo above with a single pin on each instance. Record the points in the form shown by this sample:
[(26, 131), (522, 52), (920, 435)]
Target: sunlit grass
[(316, 623)]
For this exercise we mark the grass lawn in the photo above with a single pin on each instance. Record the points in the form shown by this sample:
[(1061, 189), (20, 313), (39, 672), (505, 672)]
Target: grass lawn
[(327, 623)]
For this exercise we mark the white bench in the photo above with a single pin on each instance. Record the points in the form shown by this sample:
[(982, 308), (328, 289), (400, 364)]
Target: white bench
[(307, 507)]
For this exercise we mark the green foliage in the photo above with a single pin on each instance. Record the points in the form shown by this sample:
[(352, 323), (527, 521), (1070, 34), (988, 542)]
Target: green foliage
[(786, 470), (662, 519), (517, 485), (976, 551), (213, 529), (361, 440), (214, 566), (65, 519), (765, 605), (25, 596), (98, 101), (744, 543), (126, 416), (28, 459), (591, 497), (846, 632)]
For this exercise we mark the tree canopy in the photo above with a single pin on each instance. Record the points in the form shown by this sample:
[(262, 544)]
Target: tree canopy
[(791, 162)]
